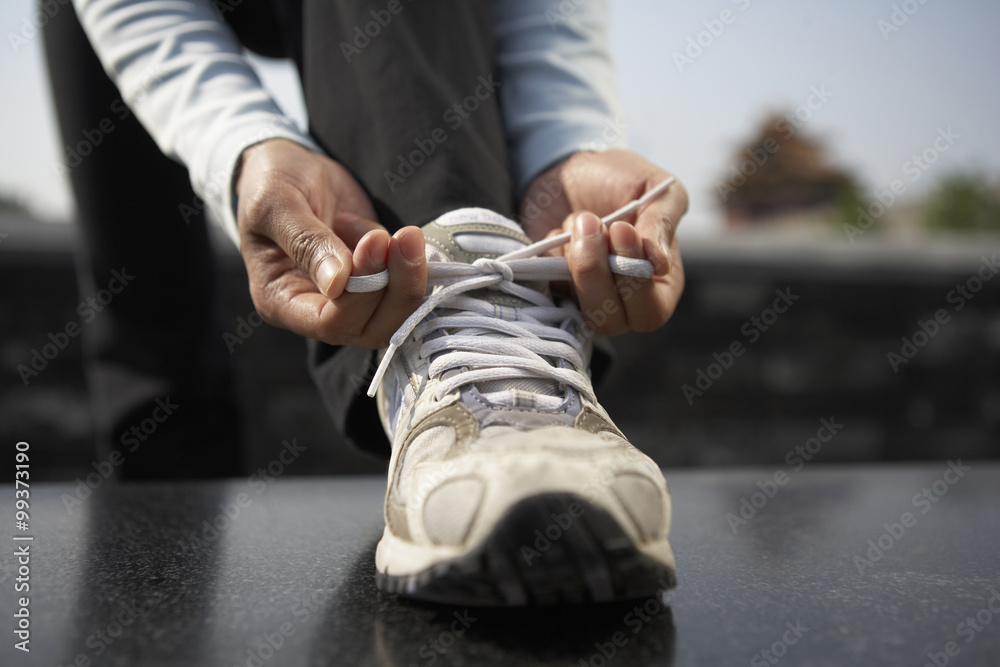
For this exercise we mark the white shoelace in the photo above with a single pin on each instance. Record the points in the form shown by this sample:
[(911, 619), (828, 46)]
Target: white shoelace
[(527, 334)]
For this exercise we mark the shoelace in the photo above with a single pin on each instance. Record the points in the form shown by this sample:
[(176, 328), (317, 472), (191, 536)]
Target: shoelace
[(529, 332)]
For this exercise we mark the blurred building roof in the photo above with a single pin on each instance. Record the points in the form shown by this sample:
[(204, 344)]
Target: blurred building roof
[(779, 172)]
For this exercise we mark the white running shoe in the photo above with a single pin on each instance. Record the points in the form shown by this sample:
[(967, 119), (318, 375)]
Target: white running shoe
[(508, 482)]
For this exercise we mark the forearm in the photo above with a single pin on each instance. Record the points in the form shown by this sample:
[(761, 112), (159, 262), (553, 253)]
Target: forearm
[(181, 70), (558, 89)]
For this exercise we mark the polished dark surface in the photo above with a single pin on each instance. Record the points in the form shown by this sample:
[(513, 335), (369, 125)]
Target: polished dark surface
[(296, 567)]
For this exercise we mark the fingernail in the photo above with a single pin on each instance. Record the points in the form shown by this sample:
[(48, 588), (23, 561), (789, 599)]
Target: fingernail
[(326, 274), (586, 225), (411, 245), (623, 238)]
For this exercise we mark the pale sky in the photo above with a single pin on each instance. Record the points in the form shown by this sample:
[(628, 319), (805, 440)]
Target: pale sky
[(887, 94)]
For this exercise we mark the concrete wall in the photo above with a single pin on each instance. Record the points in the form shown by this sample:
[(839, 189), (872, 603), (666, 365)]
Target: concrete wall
[(824, 358)]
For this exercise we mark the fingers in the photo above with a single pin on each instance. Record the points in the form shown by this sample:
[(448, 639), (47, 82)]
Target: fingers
[(407, 284), (593, 281), (367, 319), (604, 182), (613, 304), (649, 304), (637, 296), (305, 227), (348, 315), (370, 319), (296, 264), (289, 253), (657, 225), (283, 217), (371, 253)]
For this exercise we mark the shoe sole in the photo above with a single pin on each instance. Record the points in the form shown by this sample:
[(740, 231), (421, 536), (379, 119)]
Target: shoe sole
[(532, 559)]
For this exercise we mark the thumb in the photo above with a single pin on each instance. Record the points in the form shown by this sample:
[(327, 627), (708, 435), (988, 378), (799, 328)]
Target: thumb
[(657, 226), (310, 243)]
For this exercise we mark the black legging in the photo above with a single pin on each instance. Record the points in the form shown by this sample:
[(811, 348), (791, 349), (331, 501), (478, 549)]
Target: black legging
[(390, 115), (407, 101)]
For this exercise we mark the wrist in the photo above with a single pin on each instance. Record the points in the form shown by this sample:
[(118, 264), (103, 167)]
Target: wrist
[(255, 152)]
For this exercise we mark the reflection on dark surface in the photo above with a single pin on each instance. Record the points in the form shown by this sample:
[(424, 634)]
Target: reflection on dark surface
[(403, 633), (639, 632), (359, 625), (145, 586), (290, 582)]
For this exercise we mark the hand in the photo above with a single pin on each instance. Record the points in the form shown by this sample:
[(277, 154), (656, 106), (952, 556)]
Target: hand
[(598, 184), (305, 226)]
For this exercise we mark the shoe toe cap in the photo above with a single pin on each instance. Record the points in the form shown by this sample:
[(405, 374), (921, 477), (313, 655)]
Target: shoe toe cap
[(644, 504)]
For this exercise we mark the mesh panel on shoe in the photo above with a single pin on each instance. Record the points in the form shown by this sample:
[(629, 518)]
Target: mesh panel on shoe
[(527, 385), (450, 509), (431, 445), (486, 243)]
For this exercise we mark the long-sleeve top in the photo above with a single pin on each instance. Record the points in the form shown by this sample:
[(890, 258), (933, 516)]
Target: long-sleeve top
[(183, 72)]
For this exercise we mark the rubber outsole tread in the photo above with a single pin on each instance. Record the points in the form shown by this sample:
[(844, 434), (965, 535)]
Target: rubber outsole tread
[(590, 560)]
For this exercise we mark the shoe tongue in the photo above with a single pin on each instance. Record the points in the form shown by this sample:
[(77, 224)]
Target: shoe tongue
[(469, 234), (466, 235)]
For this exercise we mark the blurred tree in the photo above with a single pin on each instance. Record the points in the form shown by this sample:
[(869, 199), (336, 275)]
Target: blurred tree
[(850, 205), (966, 202)]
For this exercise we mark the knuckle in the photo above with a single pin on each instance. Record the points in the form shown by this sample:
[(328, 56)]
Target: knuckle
[(677, 192), (302, 245), (681, 194), (587, 268), (668, 223), (407, 285), (412, 290)]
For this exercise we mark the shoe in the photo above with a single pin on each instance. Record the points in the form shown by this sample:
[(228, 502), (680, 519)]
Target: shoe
[(508, 483)]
